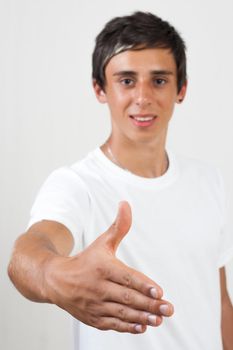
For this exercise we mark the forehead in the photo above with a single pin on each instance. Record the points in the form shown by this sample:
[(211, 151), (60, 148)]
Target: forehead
[(142, 61)]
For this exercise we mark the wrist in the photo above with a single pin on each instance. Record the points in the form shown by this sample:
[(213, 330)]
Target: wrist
[(53, 278)]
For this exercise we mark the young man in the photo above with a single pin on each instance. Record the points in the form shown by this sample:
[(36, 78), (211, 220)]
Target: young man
[(173, 243)]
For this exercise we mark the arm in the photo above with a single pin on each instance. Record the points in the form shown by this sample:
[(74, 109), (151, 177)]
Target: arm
[(93, 286), (32, 252), (227, 313)]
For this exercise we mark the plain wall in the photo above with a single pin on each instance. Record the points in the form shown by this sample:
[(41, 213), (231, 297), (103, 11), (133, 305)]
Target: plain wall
[(49, 118)]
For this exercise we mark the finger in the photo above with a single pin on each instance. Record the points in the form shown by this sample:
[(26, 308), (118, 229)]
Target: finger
[(120, 227), (135, 300), (133, 279), (111, 323), (129, 315)]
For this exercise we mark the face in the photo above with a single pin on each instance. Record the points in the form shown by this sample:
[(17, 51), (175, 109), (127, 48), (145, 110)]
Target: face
[(141, 92)]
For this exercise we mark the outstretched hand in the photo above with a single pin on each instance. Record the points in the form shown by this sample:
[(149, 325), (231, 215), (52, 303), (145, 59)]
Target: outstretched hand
[(98, 289)]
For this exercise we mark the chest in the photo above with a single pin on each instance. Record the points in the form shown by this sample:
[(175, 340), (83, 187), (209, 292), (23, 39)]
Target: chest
[(185, 218)]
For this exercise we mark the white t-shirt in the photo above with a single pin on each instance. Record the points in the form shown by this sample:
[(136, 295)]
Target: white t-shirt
[(178, 238)]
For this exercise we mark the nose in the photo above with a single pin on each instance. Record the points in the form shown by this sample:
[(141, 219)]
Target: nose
[(143, 95)]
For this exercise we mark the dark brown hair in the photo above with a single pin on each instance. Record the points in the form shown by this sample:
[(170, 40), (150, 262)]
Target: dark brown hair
[(137, 31)]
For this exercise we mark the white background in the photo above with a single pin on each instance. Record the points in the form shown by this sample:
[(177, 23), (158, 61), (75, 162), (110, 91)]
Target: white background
[(49, 117)]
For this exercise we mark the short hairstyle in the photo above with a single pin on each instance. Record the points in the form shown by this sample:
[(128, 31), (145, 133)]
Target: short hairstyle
[(140, 30)]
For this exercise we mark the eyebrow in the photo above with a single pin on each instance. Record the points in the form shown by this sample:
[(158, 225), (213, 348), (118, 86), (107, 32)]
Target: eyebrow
[(153, 72)]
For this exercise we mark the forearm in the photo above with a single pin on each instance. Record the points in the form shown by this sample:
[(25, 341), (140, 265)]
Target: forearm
[(93, 286), (227, 325), (27, 267)]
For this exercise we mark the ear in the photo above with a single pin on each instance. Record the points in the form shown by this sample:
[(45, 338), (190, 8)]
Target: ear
[(181, 95), (99, 92)]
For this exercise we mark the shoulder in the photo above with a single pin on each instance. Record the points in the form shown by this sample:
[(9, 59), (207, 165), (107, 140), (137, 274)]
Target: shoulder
[(67, 179), (203, 172), (196, 166), (72, 174)]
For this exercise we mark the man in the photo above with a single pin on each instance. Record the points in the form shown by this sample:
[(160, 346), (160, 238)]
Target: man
[(173, 243)]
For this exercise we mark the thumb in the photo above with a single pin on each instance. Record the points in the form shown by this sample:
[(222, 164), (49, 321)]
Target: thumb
[(120, 227)]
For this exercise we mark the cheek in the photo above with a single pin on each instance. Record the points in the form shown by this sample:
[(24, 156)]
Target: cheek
[(166, 106), (167, 100), (119, 100)]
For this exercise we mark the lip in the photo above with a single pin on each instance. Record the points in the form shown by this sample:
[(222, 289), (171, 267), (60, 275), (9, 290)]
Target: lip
[(137, 119)]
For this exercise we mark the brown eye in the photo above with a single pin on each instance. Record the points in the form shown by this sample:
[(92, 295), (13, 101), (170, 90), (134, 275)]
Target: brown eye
[(127, 81), (159, 81)]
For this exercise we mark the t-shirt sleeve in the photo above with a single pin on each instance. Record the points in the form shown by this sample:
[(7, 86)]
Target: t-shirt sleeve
[(226, 236), (63, 198)]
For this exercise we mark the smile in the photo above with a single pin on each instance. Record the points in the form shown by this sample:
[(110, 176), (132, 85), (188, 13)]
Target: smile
[(143, 120)]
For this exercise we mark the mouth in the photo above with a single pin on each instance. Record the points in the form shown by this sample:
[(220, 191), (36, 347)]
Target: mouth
[(143, 120)]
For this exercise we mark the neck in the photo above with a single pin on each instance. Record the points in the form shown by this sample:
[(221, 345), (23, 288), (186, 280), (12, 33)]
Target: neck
[(143, 160)]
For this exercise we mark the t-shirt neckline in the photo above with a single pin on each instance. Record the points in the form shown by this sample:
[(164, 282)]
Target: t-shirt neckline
[(166, 179)]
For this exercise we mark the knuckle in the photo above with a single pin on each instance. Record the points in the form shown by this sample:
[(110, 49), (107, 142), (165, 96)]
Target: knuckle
[(100, 271), (127, 297), (93, 311), (103, 272), (127, 279), (115, 325), (96, 292), (99, 323), (121, 313), (94, 321), (103, 326)]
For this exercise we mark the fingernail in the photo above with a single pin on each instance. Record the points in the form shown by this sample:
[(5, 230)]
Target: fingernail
[(154, 293), (138, 328), (164, 309), (152, 319)]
